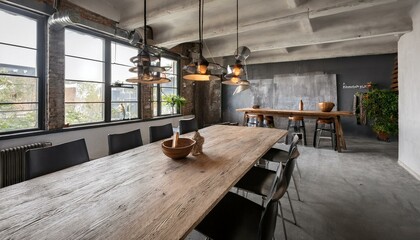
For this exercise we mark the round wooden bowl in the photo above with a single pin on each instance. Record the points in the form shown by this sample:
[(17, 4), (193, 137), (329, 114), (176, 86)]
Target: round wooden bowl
[(326, 106), (181, 151)]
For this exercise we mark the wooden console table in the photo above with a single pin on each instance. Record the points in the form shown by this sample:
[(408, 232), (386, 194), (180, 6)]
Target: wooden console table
[(341, 143)]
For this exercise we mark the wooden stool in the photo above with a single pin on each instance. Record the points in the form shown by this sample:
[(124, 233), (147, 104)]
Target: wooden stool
[(254, 120), (298, 126), (320, 126), (269, 121)]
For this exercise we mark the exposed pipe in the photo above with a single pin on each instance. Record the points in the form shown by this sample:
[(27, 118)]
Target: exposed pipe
[(65, 18)]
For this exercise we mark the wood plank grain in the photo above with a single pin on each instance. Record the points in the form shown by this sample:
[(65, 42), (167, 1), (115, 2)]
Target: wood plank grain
[(136, 194)]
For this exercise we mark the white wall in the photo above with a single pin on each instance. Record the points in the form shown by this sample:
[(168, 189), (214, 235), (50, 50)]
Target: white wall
[(409, 97), (96, 138)]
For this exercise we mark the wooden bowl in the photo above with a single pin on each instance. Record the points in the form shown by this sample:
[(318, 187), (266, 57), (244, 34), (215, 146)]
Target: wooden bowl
[(326, 106), (181, 151)]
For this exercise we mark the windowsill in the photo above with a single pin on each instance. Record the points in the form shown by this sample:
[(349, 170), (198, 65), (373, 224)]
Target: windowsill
[(81, 127)]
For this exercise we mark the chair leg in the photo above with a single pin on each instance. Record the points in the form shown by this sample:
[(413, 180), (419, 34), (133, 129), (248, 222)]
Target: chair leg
[(315, 133), (287, 135), (319, 137), (282, 219), (297, 168), (296, 187), (304, 133), (291, 207)]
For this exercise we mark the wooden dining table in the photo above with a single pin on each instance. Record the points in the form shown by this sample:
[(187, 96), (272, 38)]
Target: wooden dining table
[(336, 115), (136, 194)]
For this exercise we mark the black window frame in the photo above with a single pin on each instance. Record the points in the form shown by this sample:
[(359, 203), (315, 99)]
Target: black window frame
[(158, 87), (107, 77), (41, 46)]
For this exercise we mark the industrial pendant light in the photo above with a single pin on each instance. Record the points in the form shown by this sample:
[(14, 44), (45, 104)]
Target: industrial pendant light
[(146, 73), (201, 64), (239, 69)]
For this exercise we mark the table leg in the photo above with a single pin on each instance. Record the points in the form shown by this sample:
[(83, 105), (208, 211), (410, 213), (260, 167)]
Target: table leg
[(341, 142), (245, 118)]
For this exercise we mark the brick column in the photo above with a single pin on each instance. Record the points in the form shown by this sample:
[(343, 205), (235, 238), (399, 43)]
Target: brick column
[(55, 80)]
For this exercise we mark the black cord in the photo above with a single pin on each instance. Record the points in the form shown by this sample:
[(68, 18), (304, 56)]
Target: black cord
[(200, 30), (144, 30), (237, 26)]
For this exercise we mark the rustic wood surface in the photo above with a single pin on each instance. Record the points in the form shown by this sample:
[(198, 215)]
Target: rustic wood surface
[(341, 142), (136, 194)]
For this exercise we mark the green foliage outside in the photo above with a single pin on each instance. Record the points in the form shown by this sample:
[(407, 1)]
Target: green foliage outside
[(18, 116), (173, 101), (91, 111), (382, 110)]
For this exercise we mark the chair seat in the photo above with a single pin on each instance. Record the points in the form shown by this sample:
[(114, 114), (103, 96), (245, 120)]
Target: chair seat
[(258, 180), (325, 120), (296, 118), (276, 155), (234, 217)]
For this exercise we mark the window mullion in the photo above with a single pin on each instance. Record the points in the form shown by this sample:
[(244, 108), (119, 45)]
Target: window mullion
[(107, 80)]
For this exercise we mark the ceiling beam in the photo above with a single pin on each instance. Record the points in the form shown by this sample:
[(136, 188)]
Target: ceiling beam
[(231, 29), (330, 35), (177, 8), (338, 51), (347, 7)]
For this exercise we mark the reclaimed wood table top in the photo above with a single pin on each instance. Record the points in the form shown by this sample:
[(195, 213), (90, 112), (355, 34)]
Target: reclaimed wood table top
[(135, 194), (306, 113)]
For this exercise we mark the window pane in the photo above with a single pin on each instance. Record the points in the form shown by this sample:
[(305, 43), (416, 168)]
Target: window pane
[(124, 110), (124, 94), (166, 109), (120, 74), (121, 53), (18, 116), (81, 69), (154, 93), (168, 91), (84, 92), (78, 113), (16, 60), (155, 110), (18, 89), (17, 29), (84, 45)]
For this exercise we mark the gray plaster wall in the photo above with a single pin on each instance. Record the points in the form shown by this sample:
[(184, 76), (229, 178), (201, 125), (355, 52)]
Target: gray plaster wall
[(352, 73), (409, 98)]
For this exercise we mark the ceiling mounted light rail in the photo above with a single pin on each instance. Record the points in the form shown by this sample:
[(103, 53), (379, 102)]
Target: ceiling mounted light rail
[(146, 73), (201, 64)]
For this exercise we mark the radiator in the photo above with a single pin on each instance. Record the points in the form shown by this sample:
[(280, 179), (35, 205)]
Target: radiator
[(12, 163)]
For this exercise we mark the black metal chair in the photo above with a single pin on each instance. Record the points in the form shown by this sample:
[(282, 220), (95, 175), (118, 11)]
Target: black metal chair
[(41, 161), (157, 133), (123, 141), (281, 156), (260, 180), (236, 217), (188, 125)]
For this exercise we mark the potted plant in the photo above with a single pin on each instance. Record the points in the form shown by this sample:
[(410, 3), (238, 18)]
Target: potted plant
[(173, 101), (382, 112)]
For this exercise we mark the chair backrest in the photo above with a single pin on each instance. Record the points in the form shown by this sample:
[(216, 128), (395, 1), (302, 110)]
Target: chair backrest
[(188, 125), (286, 175), (294, 143), (268, 221), (41, 161), (157, 133), (123, 141)]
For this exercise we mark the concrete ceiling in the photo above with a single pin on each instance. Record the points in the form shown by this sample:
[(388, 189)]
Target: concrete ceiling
[(274, 30)]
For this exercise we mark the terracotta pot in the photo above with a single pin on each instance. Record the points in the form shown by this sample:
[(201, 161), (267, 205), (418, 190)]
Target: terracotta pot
[(382, 136)]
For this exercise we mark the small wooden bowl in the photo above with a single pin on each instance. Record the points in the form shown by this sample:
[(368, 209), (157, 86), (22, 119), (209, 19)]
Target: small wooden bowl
[(181, 151), (326, 106)]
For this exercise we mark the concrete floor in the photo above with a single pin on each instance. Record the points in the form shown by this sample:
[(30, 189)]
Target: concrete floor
[(361, 193)]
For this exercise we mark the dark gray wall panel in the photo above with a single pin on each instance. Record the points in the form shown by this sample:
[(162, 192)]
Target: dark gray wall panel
[(352, 74)]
